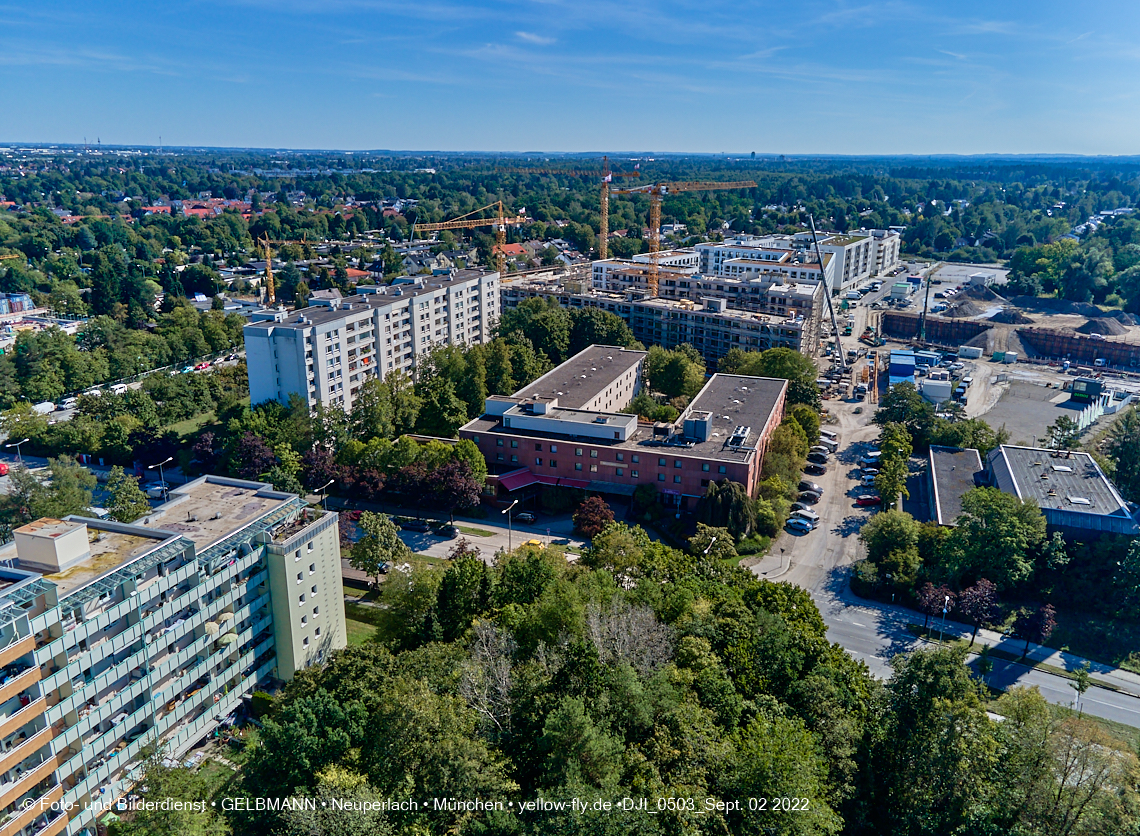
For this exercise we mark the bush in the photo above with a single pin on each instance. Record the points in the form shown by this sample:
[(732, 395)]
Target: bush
[(260, 704), (753, 545)]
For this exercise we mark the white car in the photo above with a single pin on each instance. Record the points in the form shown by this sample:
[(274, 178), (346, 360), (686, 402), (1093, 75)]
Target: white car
[(157, 490), (811, 516)]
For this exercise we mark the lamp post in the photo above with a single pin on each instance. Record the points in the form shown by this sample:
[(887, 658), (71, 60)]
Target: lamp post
[(17, 444), (161, 478), (324, 496), (507, 511), (945, 607), (712, 543)]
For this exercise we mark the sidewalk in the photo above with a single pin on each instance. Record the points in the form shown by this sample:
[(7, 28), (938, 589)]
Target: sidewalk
[(1125, 681)]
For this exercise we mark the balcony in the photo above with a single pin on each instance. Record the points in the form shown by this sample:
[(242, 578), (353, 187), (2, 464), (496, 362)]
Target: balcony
[(41, 806), (15, 650), (22, 717), (15, 790), (24, 748), (18, 683)]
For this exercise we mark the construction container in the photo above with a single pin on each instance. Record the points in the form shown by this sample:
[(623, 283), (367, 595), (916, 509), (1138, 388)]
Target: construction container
[(969, 352), (1010, 357), (999, 357)]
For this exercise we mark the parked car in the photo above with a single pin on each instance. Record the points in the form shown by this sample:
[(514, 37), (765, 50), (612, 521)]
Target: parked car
[(799, 524), (416, 525), (810, 497), (3, 468), (524, 517), (869, 499), (800, 506), (867, 481), (805, 485), (157, 490), (815, 470), (807, 514), (201, 367), (817, 458), (870, 471), (448, 531)]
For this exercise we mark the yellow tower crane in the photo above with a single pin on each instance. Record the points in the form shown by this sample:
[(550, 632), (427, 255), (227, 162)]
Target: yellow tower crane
[(607, 176), (270, 291), (500, 222), (656, 191)]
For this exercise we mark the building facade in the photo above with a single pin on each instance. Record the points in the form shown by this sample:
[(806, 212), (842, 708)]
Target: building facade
[(545, 435), (325, 353), (120, 636)]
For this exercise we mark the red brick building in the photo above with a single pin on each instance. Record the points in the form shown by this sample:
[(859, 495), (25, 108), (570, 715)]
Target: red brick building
[(566, 429)]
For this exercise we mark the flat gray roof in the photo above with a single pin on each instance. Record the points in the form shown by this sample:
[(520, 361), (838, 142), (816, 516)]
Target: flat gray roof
[(1060, 479), (952, 472), (733, 401), (584, 376)]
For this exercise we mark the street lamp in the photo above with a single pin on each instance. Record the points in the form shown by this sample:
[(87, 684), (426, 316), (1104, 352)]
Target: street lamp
[(161, 478), (712, 543), (321, 491), (507, 511), (945, 607), (17, 444)]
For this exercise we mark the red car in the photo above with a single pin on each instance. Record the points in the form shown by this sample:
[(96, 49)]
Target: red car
[(3, 468), (869, 499), (201, 367)]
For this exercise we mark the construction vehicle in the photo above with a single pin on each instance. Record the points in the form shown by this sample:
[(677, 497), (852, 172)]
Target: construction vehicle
[(607, 176), (500, 222), (657, 191)]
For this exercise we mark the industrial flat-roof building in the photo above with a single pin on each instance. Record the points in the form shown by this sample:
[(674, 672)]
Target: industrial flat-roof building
[(127, 635), (1072, 491), (566, 429), (953, 472)]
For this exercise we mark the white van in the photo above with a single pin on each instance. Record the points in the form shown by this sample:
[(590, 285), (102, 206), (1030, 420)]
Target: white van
[(852, 295), (828, 445), (830, 435)]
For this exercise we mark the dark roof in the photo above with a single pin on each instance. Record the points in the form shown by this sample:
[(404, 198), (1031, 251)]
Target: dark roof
[(952, 471), (581, 378), (1058, 479)]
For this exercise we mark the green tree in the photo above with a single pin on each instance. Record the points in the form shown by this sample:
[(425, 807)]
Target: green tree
[(902, 404), (808, 419), (726, 504), (894, 464), (592, 326), (995, 537), (464, 592), (891, 539), (161, 783), (674, 373), (1063, 433), (1123, 451), (68, 490), (442, 412), (380, 544), (345, 805), (127, 500), (786, 363)]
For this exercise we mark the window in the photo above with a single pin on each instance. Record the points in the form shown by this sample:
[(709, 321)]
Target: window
[(475, 438), (677, 479), (722, 469), (617, 435), (309, 546), (498, 457), (312, 568), (704, 483), (577, 465), (593, 454), (514, 459), (316, 610), (635, 459), (578, 451), (498, 442), (660, 477), (304, 620), (538, 447), (676, 463), (317, 631), (299, 576), (538, 461), (633, 474), (297, 555), (620, 471), (593, 468), (554, 463), (305, 641), (302, 600), (514, 444), (705, 467), (553, 448), (314, 589), (621, 457)]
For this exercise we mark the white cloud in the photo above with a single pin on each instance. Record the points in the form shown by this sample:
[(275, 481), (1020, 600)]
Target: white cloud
[(532, 38)]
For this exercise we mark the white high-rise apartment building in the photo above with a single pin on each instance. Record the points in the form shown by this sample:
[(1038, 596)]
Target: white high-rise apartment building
[(325, 352)]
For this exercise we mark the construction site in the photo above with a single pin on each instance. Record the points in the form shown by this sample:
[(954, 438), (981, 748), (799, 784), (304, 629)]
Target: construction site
[(1030, 328)]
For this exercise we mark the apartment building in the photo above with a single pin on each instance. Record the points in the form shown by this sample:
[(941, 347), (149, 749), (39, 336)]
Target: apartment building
[(849, 258), (119, 636), (766, 315), (325, 352), (684, 260), (551, 434)]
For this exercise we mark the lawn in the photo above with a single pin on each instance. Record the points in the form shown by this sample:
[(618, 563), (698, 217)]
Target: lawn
[(1113, 642), (475, 532), (192, 425), (358, 632), (1123, 733)]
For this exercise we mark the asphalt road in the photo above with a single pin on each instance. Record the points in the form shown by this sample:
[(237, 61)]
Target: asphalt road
[(820, 561)]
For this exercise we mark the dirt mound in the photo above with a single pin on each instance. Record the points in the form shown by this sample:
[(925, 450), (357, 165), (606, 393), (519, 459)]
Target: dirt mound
[(1011, 316), (1015, 343), (965, 309), (1107, 326), (981, 341), (1123, 318), (1056, 306), (982, 293)]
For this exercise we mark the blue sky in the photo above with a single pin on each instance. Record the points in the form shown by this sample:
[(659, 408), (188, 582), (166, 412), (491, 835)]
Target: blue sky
[(812, 77)]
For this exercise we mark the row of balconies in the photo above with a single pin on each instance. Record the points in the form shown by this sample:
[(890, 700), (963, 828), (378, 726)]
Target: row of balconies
[(40, 808)]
